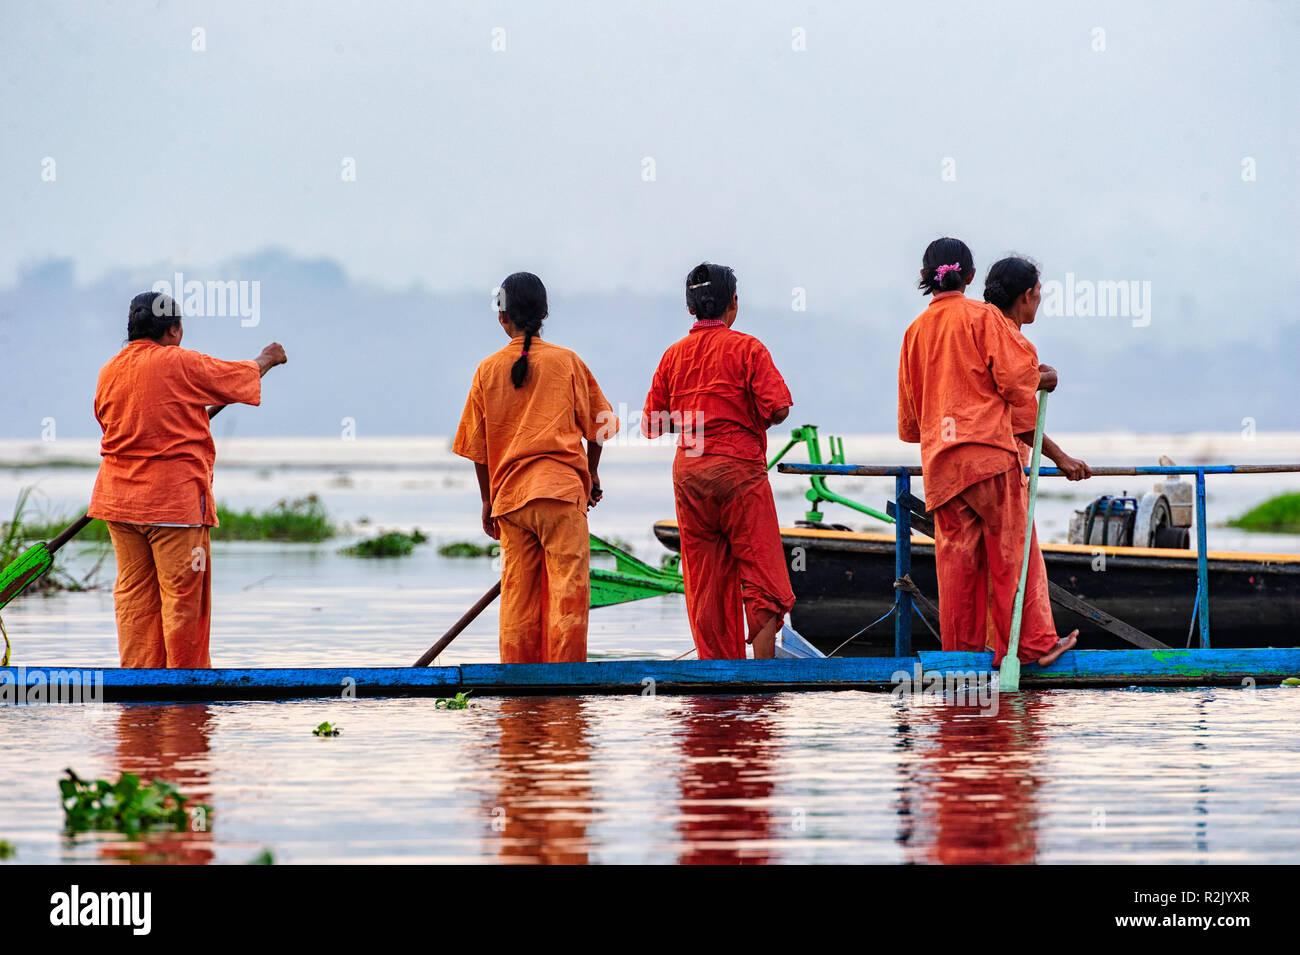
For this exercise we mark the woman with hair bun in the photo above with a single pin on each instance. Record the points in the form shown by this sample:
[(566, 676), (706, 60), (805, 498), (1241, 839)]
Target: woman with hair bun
[(154, 488), (531, 406), (719, 389), (961, 370), (1013, 285)]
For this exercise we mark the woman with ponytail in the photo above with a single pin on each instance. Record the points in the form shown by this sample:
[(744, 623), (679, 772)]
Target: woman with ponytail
[(720, 390), (961, 371), (531, 406)]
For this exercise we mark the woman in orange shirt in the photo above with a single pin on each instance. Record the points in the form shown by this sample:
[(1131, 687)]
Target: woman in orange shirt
[(1013, 286), (720, 390), (961, 370), (530, 407), (154, 487)]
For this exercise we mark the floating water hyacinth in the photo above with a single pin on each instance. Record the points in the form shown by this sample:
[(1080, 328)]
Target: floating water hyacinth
[(123, 806), (458, 702), (326, 729)]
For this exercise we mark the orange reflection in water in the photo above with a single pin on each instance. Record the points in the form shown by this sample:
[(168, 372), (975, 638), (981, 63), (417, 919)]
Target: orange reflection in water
[(726, 779), (971, 782), (544, 793), (171, 743)]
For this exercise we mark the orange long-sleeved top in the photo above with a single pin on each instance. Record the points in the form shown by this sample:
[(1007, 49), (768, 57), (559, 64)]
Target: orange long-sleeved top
[(157, 453), (1024, 417), (721, 388), (961, 369), (530, 438)]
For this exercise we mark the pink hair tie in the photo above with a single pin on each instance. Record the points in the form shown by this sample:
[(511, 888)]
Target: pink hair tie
[(943, 270)]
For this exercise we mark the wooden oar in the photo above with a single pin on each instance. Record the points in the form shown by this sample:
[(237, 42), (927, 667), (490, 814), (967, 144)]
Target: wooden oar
[(36, 560), (432, 653), (1009, 673)]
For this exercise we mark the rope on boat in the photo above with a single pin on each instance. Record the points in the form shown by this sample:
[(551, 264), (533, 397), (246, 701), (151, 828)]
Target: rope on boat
[(908, 586)]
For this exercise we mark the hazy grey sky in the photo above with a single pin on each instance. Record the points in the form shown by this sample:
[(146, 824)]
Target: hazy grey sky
[(819, 168)]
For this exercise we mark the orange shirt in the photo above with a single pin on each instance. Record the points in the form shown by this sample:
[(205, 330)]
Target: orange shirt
[(961, 370), (1024, 417), (152, 402), (530, 437), (721, 388)]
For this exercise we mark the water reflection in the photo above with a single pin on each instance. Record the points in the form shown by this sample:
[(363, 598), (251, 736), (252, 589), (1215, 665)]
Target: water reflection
[(171, 743), (726, 779), (971, 782), (544, 790)]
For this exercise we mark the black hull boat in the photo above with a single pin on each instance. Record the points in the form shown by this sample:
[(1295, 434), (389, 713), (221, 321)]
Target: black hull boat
[(844, 580)]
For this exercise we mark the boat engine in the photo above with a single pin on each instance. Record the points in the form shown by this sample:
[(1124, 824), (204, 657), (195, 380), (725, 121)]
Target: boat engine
[(1162, 518)]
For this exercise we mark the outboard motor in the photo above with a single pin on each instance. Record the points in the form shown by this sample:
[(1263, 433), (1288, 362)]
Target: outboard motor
[(1162, 518)]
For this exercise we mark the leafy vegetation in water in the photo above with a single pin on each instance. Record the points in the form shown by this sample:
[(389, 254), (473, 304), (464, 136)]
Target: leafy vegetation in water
[(469, 549), (392, 544), (123, 806), (326, 729), (20, 533), (7, 849), (1291, 681), (1278, 515), (458, 702), (302, 519), (263, 858)]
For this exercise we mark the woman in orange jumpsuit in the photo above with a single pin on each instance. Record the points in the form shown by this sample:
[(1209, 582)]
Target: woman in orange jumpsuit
[(154, 487), (530, 407), (1013, 285), (962, 368), (720, 390)]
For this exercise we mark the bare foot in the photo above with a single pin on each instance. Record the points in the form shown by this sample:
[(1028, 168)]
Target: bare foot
[(1065, 643)]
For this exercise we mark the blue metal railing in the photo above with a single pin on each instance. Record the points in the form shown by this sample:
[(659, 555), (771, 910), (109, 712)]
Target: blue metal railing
[(903, 475)]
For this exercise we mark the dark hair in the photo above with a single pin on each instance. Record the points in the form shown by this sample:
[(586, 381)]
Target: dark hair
[(152, 313), (525, 304), (1008, 279), (709, 290), (946, 252)]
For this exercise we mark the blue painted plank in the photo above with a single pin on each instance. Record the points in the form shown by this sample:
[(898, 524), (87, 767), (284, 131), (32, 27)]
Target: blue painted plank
[(1190, 667), (632, 674), (1076, 668)]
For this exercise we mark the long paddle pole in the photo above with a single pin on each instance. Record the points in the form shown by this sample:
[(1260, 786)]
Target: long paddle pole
[(1009, 674), (431, 654)]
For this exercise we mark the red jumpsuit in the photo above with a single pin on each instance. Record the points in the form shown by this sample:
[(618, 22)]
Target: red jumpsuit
[(719, 388), (961, 370)]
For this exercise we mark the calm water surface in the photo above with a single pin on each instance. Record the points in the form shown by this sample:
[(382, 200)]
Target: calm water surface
[(1187, 776), (1184, 776)]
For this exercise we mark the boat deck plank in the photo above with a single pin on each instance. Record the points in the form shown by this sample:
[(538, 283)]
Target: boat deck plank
[(1074, 669)]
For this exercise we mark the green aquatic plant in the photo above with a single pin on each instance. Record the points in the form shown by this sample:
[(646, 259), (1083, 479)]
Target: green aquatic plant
[(262, 858), (392, 544), (1278, 515), (123, 806), (7, 849), (1291, 681), (303, 519), (20, 533), (458, 702), (468, 549), (326, 729)]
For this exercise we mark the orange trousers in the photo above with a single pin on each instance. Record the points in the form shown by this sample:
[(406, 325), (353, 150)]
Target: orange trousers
[(732, 561), (163, 595), (545, 588), (979, 545)]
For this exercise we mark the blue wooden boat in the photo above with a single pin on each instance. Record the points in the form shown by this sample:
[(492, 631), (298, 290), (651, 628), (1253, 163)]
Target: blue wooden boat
[(1082, 668)]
